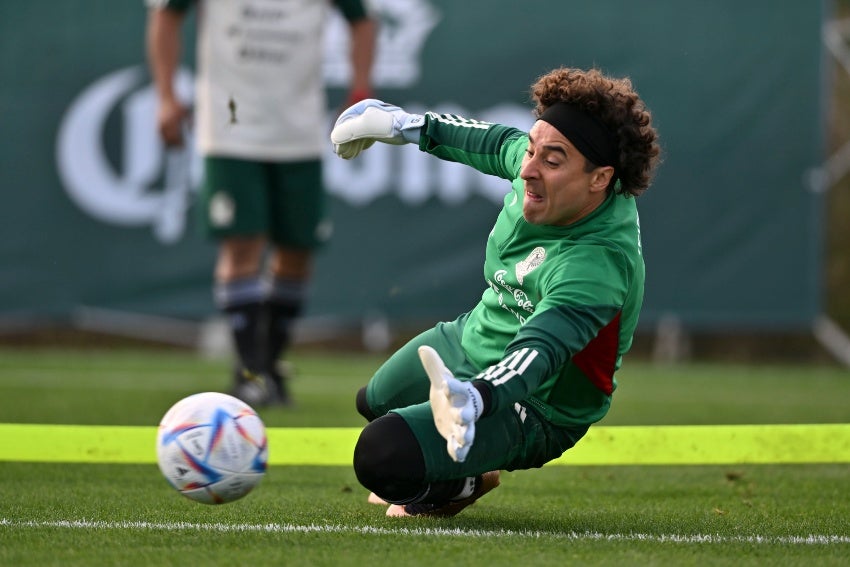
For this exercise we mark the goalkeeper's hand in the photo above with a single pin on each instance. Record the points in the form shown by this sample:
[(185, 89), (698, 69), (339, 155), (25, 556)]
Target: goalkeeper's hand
[(371, 120), (456, 405)]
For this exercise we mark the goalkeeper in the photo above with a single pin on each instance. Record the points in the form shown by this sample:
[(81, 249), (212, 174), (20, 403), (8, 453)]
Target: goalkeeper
[(517, 380)]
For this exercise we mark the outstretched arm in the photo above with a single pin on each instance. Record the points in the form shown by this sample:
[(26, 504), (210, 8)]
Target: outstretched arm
[(490, 148)]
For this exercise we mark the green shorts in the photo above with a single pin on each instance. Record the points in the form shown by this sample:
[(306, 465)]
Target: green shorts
[(283, 201), (511, 439)]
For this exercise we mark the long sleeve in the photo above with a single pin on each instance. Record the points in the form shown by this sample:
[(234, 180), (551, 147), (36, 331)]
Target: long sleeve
[(493, 149)]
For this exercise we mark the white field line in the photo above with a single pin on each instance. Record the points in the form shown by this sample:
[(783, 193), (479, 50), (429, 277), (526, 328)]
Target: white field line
[(424, 531)]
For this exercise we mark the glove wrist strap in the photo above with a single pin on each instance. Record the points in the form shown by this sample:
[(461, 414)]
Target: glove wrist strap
[(485, 393), (411, 128), (477, 402)]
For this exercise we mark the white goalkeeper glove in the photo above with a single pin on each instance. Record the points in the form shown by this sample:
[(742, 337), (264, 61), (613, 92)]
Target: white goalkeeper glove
[(371, 120), (456, 405)]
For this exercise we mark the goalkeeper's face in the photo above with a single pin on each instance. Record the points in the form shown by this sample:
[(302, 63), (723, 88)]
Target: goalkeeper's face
[(560, 188)]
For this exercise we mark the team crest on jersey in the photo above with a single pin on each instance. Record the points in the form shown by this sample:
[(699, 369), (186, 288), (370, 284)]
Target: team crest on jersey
[(530, 264)]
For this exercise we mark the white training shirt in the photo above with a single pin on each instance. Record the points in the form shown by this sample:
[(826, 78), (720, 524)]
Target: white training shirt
[(265, 56)]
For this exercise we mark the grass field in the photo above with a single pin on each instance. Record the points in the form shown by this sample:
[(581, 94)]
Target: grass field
[(125, 514)]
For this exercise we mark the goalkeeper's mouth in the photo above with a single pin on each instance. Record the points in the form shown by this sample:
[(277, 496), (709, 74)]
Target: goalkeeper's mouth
[(534, 197)]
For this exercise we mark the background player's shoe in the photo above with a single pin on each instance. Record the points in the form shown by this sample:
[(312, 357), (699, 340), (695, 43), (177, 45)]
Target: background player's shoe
[(279, 387), (261, 389), (487, 482), (248, 387)]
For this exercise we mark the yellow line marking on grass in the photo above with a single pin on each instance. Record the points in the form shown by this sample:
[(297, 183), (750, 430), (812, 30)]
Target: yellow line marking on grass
[(611, 445), (415, 531), (711, 444), (137, 444)]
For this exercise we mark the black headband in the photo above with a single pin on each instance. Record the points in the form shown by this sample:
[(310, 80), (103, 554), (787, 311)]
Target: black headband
[(587, 133)]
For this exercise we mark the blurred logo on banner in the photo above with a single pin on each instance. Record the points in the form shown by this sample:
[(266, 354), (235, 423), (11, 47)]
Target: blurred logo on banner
[(140, 183), (115, 169)]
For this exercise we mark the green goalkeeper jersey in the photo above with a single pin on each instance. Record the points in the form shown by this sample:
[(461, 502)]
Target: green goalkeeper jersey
[(561, 302)]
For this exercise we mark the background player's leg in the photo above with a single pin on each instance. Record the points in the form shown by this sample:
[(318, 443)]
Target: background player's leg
[(231, 211), (284, 303), (296, 217), (239, 294)]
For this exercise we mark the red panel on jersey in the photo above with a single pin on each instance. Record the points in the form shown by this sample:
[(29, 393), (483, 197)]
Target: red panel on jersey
[(599, 357)]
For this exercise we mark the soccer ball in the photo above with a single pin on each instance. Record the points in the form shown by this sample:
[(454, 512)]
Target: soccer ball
[(212, 448)]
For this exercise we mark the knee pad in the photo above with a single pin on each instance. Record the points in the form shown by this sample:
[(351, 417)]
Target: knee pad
[(388, 459), (363, 407)]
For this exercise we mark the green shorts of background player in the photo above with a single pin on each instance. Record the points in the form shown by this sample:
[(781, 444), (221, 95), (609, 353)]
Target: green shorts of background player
[(283, 200), (519, 379)]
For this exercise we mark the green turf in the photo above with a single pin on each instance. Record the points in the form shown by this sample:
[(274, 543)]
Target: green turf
[(599, 515), (631, 515), (136, 387)]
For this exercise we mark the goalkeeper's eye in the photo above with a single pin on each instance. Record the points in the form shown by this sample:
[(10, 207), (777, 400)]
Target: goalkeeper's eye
[(547, 162)]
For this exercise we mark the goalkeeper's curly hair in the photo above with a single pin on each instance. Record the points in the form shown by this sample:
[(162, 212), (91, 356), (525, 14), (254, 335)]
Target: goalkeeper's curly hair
[(619, 107)]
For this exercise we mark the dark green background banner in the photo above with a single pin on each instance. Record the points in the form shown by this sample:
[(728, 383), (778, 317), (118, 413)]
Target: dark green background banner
[(95, 214)]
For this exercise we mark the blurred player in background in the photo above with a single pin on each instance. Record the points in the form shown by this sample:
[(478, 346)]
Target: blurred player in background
[(519, 379), (260, 121)]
